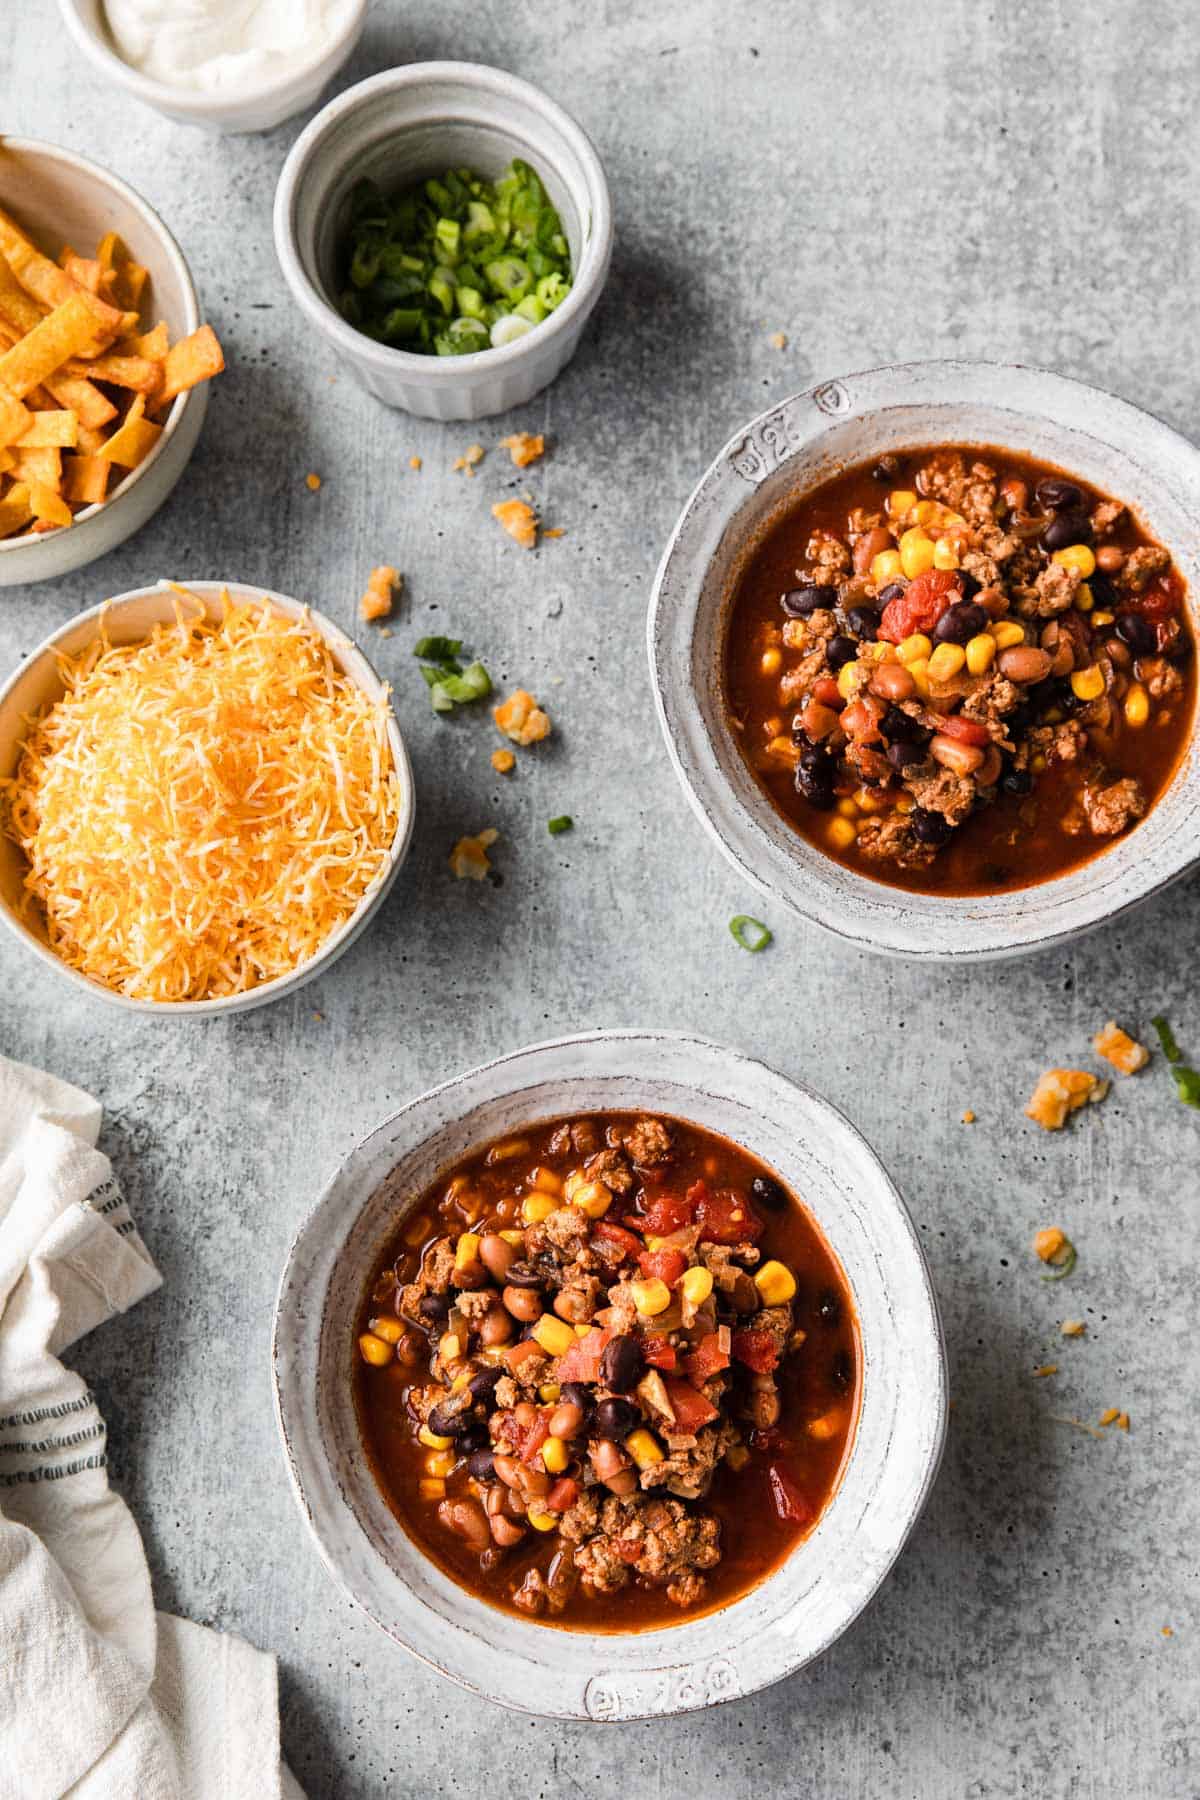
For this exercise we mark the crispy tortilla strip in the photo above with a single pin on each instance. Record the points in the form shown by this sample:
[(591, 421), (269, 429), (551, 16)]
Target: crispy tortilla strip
[(90, 442), (133, 440), (7, 461), (17, 308), (48, 505), (85, 479), (50, 344), (15, 510), (54, 287), (126, 279), (14, 419), (57, 430), (136, 372), (83, 269), (191, 360), (41, 466), (152, 344), (91, 407)]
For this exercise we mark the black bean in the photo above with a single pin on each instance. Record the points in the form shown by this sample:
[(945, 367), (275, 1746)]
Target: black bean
[(1137, 632), (968, 583), (768, 1192), (841, 1371), (623, 1364), (1067, 528), (1104, 594), (900, 728), (1017, 781), (900, 754), (1180, 649), (814, 758), (475, 1437), (482, 1387), (840, 650), (815, 786), (575, 1394), (446, 1423), (892, 591), (1057, 495), (615, 1419), (887, 468), (434, 1306), (829, 1301), (798, 602), (928, 828), (864, 622), (961, 622), (524, 1275), (481, 1465)]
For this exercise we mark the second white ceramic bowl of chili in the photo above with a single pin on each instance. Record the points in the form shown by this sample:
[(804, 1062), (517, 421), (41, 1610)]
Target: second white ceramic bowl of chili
[(764, 471), (799, 1609)]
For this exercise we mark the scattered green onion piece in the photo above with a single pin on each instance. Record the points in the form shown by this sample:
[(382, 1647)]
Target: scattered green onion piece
[(1061, 1270), (1187, 1084), (760, 934), (449, 684), (564, 822), (437, 649), (1166, 1038)]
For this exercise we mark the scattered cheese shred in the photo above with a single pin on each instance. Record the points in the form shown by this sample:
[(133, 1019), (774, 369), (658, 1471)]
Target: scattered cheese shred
[(503, 761), (201, 811), (521, 719), (474, 453), (1125, 1054), (469, 857), (414, 462), (519, 520), (1063, 1091), (312, 481), (1047, 1369), (524, 447), (1073, 1328), (376, 603), (779, 340)]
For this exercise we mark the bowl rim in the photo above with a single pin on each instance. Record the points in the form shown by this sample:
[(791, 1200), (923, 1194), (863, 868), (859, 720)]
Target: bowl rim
[(363, 673), (674, 601), (294, 1381), (30, 540), (163, 96), (497, 85)]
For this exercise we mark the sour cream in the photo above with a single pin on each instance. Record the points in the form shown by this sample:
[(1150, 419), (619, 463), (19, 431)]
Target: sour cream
[(223, 46)]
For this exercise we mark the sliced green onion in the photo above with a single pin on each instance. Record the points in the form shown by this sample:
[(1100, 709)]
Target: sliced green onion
[(1061, 1270), (1187, 1085), (1166, 1038), (556, 827), (437, 649), (449, 684), (749, 934)]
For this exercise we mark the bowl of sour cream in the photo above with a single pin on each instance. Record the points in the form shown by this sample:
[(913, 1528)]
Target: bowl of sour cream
[(226, 65)]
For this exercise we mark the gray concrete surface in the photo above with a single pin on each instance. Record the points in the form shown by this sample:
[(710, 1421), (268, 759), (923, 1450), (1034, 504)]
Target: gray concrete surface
[(878, 183)]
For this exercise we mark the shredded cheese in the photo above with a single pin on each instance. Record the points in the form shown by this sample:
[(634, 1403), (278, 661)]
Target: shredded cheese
[(201, 811)]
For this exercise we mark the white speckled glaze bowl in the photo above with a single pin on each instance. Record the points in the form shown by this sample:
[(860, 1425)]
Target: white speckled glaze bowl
[(760, 473), (398, 128), (129, 619), (800, 1609), (60, 198)]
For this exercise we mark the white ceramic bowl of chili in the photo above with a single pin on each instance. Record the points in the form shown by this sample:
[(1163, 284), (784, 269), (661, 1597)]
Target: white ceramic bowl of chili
[(799, 1609), (763, 471), (129, 619)]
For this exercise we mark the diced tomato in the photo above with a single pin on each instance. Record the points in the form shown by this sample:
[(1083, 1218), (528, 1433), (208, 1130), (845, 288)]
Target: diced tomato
[(706, 1359), (534, 1438), (727, 1217), (665, 1213), (668, 1265), (629, 1549), (920, 606), (618, 1237), (658, 1352), (691, 1409), (582, 1361), (967, 731), (1161, 599), (516, 1354), (791, 1505), (562, 1495), (860, 720), (756, 1349)]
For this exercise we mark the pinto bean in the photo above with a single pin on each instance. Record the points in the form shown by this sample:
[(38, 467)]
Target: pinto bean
[(953, 754), (818, 720), (869, 546), (507, 1468), (892, 681), (1023, 663), (572, 1306), (607, 1459), (1063, 660), (988, 772), (497, 1256), (466, 1518), (623, 1484), (1110, 558), (523, 1303), (764, 1402), (532, 1483), (525, 1413), (411, 1348), (506, 1531), (495, 1328), (1118, 652), (566, 1420)]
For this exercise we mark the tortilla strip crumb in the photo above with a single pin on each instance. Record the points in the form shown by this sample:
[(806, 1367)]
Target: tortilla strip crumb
[(1060, 1092), (779, 340), (376, 603), (968, 1117), (1073, 1328), (1047, 1369), (524, 447), (1110, 1415), (474, 453), (414, 462), (312, 481), (503, 761), (518, 519), (1125, 1054)]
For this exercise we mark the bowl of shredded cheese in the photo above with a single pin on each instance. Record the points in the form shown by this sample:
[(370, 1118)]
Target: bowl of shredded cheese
[(204, 798)]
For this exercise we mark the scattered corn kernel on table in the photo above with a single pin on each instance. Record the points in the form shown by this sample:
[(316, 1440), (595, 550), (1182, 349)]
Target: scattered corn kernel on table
[(1039, 1634)]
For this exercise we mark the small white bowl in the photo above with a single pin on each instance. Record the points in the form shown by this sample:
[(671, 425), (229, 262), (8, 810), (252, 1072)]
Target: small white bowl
[(60, 198), (761, 473), (129, 619), (237, 109), (398, 128), (798, 1610)]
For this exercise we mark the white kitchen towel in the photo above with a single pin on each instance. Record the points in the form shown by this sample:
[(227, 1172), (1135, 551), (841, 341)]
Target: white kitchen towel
[(99, 1696)]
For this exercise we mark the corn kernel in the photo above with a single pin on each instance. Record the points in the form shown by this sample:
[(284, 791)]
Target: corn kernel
[(901, 500), (449, 1346), (916, 552), (440, 1463), (910, 648), (1084, 598), (772, 662), (737, 1456), (904, 804), (466, 1251), (980, 651), (432, 1490), (461, 1380), (553, 1334), (841, 833), (593, 1199), (1137, 706), (655, 1243), (581, 1331), (543, 1521), (924, 512), (555, 1456), (946, 661), (945, 554), (826, 1426), (886, 567), (431, 1439), (643, 1447), (650, 1297), (374, 1350), (418, 1229), (538, 1206), (1007, 633), (696, 1285), (847, 680), (785, 748), (1088, 684), (870, 800), (919, 671), (1078, 557), (776, 1283), (549, 1392), (547, 1180), (1100, 619), (573, 1184), (848, 807), (516, 1238), (390, 1329), (1037, 763)]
